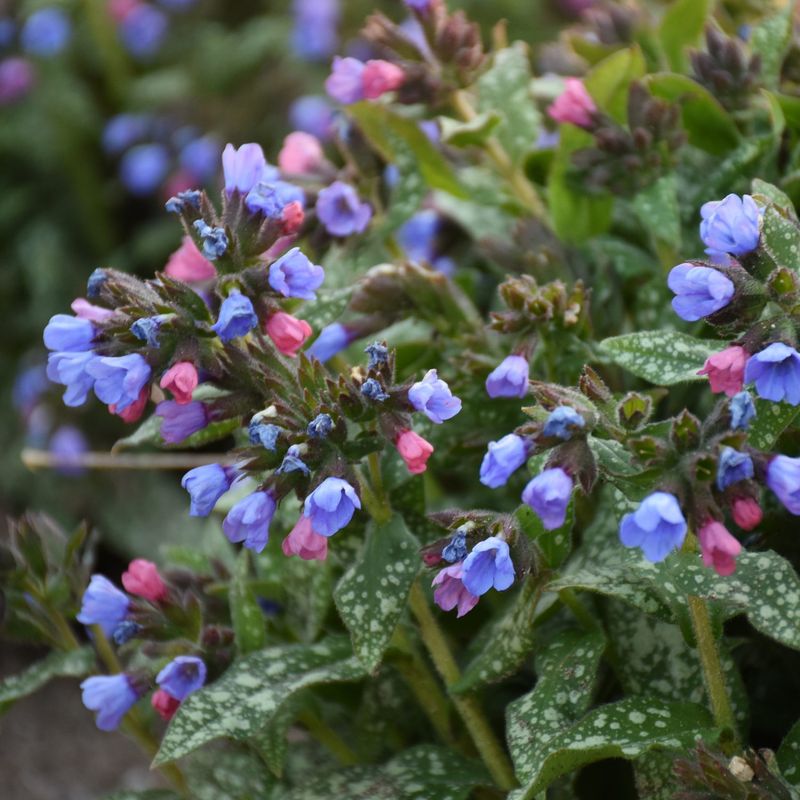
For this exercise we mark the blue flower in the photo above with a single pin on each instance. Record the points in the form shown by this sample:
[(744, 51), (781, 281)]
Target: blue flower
[(181, 420), (743, 411), (502, 459), (119, 380), (548, 495), (488, 565), (657, 526), (418, 235), (378, 354), (509, 378), (733, 467), (68, 444), (146, 330), (46, 32), (271, 198), (200, 157), (182, 676), (206, 485), (293, 275), (215, 240), (144, 167), (312, 114), (178, 203), (314, 35), (700, 291), (372, 390), (776, 373), (245, 167), (331, 505), (124, 130), (111, 696), (236, 317), (95, 283), (70, 369), (68, 334), (143, 30), (103, 604), (341, 211), (730, 225), (320, 426), (432, 396), (263, 433), (125, 631), (562, 421), (332, 339), (456, 548), (248, 521), (292, 462), (783, 477)]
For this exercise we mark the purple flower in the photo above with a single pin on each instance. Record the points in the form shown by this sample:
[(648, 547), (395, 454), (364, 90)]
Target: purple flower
[(657, 526), (502, 459), (418, 235), (776, 373), (730, 225), (341, 211), (345, 84), (331, 505), (144, 167), (488, 565), (30, 384), (450, 592), (418, 5), (271, 198), (700, 291), (182, 676), (68, 443), (119, 380), (236, 317), (46, 32), (312, 114), (206, 485), (143, 30), (733, 467), (124, 130), (332, 339), (244, 167), (248, 521), (17, 77), (509, 378), (111, 696), (181, 420), (68, 334), (71, 370), (743, 411), (293, 275), (783, 477), (432, 396), (562, 422), (200, 157), (103, 604), (314, 36), (548, 495)]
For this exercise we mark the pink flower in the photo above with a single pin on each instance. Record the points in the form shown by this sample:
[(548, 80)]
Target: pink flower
[(305, 542), (86, 310), (164, 704), (573, 105), (450, 592), (414, 450), (287, 332), (301, 153), (181, 379), (746, 512), (725, 370), (143, 580), (133, 412), (292, 217), (188, 264), (719, 547), (380, 77)]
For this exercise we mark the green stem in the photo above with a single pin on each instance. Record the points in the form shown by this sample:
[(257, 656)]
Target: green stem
[(329, 738), (487, 744), (105, 36), (571, 601)]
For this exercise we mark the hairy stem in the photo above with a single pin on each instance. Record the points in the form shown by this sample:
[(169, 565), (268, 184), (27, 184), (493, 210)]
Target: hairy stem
[(328, 737)]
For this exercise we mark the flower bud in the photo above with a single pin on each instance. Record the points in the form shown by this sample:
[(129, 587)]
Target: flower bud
[(414, 450), (746, 512), (725, 370), (142, 579), (180, 379), (301, 153), (719, 548), (287, 332)]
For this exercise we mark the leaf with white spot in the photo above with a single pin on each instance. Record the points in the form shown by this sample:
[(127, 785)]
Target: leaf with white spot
[(253, 691), (780, 236), (659, 211), (372, 594), (789, 756), (770, 40), (146, 794), (247, 617), (661, 357), (772, 419), (227, 773)]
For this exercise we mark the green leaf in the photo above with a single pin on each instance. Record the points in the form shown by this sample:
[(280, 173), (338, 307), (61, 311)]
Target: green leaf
[(682, 27), (253, 691), (770, 39), (780, 236), (504, 90), (372, 594), (328, 306), (625, 729), (789, 756), (554, 545), (145, 794), (148, 433), (248, 619), (608, 82), (612, 456), (658, 210), (72, 664), (420, 773), (708, 125), (469, 134), (772, 194), (772, 419), (227, 774), (661, 357)]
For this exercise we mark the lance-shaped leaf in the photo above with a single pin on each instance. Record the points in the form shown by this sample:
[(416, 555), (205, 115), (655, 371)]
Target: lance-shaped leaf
[(682, 27), (250, 694), (227, 773), (658, 209), (661, 357), (770, 39), (372, 594), (789, 756), (247, 617), (772, 419)]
